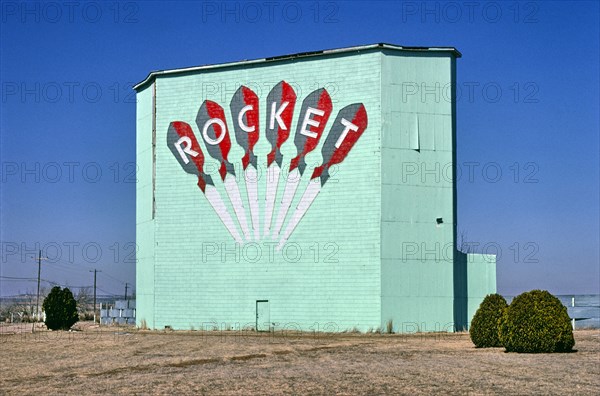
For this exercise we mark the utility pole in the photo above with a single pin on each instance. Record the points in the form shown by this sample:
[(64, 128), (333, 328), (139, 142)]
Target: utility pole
[(95, 271), (37, 303), (126, 284)]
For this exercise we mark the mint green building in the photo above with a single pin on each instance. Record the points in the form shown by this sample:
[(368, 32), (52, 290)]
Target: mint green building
[(218, 245)]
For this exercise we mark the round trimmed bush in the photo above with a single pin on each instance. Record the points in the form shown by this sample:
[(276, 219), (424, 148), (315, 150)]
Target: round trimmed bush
[(60, 308), (484, 326), (536, 322)]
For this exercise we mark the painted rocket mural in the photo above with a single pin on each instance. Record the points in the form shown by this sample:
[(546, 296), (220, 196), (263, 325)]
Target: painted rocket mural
[(282, 99), (349, 125)]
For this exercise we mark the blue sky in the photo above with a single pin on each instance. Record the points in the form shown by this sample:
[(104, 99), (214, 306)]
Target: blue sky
[(529, 107)]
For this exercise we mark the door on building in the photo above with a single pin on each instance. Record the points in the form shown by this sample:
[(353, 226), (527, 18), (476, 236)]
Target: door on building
[(263, 316)]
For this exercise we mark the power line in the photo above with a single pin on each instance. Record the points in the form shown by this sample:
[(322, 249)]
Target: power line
[(112, 277), (66, 267), (71, 266), (109, 293), (16, 278), (64, 271), (85, 268), (67, 270), (14, 296)]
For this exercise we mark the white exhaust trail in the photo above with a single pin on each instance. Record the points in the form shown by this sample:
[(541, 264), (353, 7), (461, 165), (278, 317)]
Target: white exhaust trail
[(273, 173), (309, 196), (251, 177), (214, 198), (236, 201), (288, 195)]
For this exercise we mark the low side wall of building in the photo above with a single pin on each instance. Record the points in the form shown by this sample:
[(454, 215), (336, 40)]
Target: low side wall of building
[(474, 278)]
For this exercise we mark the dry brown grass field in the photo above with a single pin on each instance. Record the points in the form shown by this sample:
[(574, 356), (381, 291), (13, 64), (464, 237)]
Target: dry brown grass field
[(111, 360)]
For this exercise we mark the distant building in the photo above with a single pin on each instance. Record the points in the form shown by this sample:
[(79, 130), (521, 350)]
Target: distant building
[(232, 232)]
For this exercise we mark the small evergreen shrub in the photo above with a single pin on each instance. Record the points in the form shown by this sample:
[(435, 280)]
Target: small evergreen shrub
[(61, 309), (536, 322), (484, 326)]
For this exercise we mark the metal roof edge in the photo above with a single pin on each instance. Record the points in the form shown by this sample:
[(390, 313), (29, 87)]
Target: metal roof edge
[(152, 75)]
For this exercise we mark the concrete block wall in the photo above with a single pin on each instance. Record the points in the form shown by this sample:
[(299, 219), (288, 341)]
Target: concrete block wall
[(144, 205), (121, 312), (417, 224), (329, 274)]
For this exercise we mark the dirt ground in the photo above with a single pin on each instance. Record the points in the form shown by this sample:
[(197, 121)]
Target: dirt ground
[(110, 360)]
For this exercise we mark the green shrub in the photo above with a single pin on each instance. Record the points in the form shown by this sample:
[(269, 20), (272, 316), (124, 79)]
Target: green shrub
[(484, 326), (535, 322), (60, 308)]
